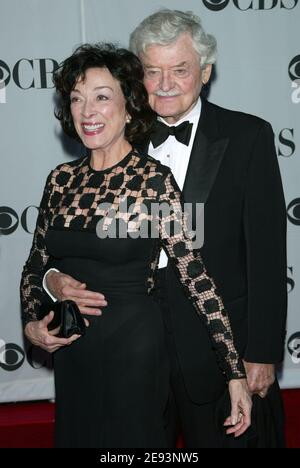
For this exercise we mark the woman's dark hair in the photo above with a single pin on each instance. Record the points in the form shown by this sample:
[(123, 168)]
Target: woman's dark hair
[(124, 67)]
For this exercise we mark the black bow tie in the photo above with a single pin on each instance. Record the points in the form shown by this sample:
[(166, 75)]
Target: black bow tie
[(161, 132)]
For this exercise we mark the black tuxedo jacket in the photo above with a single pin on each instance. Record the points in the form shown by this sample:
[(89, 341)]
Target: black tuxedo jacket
[(234, 170)]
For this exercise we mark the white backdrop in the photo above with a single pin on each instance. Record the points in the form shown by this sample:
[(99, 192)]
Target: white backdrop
[(258, 71)]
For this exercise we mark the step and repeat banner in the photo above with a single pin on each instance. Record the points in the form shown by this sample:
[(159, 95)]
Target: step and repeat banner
[(258, 71)]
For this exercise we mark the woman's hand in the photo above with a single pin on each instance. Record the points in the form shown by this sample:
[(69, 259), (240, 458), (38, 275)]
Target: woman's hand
[(37, 332), (241, 405)]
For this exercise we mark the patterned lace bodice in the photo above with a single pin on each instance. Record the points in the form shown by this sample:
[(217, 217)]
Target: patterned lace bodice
[(78, 198)]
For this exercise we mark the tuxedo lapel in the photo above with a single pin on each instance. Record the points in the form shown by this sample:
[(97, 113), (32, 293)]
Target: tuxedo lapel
[(205, 161), (206, 157)]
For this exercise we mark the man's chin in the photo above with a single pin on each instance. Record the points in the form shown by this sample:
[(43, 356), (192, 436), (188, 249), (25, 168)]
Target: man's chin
[(165, 111)]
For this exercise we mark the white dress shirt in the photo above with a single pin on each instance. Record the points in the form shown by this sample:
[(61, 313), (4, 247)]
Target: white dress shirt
[(176, 156)]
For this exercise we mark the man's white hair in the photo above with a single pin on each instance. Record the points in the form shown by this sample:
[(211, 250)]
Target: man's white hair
[(165, 26)]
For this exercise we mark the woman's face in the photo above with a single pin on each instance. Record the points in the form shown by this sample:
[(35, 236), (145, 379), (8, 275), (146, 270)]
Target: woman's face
[(98, 109)]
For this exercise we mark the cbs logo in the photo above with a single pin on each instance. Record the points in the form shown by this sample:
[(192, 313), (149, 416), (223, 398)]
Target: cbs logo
[(294, 74), (286, 147), (290, 281), (294, 68), (243, 5), (12, 357), (9, 220), (293, 346), (293, 212), (29, 73)]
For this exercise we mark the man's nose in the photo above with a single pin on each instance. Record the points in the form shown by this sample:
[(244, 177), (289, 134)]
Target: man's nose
[(166, 81)]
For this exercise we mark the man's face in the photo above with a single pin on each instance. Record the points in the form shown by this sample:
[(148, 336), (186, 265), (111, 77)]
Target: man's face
[(173, 77)]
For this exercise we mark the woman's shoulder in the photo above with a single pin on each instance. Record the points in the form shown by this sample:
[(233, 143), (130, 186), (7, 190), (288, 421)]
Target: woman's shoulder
[(65, 170), (71, 166), (150, 164)]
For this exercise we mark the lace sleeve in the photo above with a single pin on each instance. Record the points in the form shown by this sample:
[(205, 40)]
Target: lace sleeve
[(198, 286), (31, 289)]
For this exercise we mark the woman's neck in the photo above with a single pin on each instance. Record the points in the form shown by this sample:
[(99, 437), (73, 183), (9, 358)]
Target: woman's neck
[(104, 158)]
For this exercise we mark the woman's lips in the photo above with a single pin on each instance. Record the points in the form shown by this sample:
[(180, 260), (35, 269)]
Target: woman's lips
[(92, 128)]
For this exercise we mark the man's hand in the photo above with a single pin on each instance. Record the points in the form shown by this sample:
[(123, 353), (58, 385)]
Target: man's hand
[(65, 287), (260, 377)]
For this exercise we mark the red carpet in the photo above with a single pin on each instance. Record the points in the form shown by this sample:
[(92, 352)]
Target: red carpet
[(31, 424), (291, 400), (26, 425)]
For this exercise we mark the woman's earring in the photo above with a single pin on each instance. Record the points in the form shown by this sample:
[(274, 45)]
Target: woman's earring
[(128, 119)]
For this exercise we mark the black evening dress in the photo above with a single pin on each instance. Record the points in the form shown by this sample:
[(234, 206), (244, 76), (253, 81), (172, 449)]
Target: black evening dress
[(105, 228)]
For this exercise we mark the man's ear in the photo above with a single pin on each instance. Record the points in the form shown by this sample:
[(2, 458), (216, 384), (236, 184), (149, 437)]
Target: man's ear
[(206, 73)]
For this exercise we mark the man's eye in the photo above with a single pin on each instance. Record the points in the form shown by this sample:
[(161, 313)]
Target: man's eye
[(181, 71), (152, 72)]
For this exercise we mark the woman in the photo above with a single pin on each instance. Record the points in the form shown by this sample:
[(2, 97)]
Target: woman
[(112, 383)]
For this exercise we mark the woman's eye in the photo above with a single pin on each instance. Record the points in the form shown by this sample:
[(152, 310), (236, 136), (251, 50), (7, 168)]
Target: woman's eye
[(101, 97), (74, 99)]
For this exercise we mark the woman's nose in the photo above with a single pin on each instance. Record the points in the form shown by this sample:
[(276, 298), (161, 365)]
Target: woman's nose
[(88, 109)]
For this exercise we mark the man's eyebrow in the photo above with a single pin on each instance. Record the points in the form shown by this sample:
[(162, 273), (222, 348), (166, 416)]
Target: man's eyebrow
[(181, 64)]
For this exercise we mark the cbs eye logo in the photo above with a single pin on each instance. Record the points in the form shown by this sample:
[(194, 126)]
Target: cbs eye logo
[(293, 346), (4, 73), (9, 220), (294, 68), (216, 5), (11, 357), (294, 74), (293, 212), (290, 281)]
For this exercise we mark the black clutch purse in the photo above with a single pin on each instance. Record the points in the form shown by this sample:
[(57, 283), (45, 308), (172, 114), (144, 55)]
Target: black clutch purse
[(68, 318)]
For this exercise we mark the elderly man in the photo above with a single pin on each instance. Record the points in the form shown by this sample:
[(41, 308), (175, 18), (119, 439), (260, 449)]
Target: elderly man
[(226, 160)]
